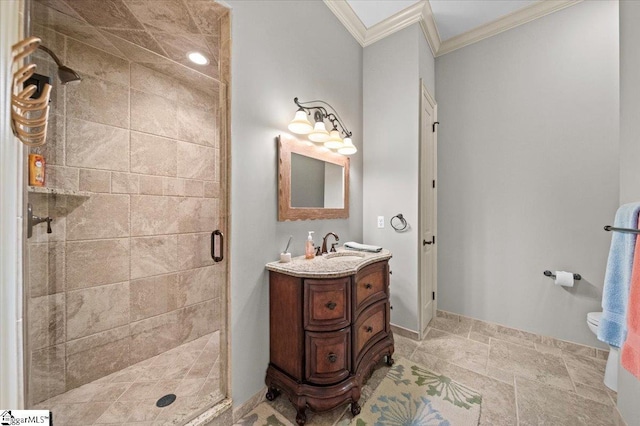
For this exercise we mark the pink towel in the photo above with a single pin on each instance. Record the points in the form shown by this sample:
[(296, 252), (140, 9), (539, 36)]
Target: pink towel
[(631, 347)]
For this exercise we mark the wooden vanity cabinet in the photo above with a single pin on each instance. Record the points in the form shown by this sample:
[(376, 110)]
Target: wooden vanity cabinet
[(326, 335)]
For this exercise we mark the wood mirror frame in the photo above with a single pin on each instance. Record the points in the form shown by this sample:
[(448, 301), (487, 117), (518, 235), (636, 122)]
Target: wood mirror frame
[(288, 145)]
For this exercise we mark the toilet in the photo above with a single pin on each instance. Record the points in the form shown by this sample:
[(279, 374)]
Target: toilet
[(611, 371)]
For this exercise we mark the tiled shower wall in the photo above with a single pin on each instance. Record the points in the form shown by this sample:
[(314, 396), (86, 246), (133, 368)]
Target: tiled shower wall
[(126, 273)]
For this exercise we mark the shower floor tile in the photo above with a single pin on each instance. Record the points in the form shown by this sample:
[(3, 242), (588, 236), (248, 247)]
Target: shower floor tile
[(129, 396)]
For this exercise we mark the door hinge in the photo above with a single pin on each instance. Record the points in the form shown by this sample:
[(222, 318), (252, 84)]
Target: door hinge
[(434, 239), (433, 183), (433, 295), (434, 125)]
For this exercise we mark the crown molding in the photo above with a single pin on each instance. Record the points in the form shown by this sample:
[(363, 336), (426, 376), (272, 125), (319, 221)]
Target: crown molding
[(394, 23), (430, 29), (421, 12), (507, 22)]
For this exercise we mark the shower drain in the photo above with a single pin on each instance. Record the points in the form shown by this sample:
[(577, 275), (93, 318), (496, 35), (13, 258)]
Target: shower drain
[(166, 400)]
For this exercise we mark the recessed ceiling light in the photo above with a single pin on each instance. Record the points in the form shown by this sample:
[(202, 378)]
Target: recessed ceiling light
[(197, 58)]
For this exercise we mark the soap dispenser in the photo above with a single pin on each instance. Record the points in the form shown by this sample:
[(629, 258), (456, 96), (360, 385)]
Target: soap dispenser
[(309, 253)]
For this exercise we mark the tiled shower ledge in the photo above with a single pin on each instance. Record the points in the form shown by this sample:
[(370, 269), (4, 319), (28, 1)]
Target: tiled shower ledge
[(56, 191)]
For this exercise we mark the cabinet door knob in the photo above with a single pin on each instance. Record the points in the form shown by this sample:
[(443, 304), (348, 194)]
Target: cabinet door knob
[(332, 358), (331, 305), (368, 329), (368, 286)]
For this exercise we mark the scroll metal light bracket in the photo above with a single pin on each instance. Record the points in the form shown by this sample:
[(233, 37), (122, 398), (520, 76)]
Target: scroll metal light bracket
[(320, 113)]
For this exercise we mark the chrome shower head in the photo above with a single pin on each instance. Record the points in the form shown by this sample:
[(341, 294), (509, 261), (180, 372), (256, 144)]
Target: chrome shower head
[(65, 74)]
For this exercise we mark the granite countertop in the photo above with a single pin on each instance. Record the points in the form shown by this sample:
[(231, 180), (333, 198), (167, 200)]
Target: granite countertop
[(56, 191), (332, 265)]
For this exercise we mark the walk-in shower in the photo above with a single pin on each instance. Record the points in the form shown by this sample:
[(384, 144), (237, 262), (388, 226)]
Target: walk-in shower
[(125, 308)]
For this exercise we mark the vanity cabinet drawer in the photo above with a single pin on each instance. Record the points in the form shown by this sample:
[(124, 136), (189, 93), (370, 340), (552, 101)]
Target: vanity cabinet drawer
[(371, 285), (327, 304), (328, 356), (370, 327)]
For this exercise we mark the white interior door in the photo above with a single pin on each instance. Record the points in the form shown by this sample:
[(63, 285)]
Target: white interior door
[(428, 210)]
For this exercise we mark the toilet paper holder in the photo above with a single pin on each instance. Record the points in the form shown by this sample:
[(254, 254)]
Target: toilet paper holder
[(552, 275)]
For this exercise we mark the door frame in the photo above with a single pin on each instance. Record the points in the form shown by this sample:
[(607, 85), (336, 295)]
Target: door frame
[(426, 96), (11, 214)]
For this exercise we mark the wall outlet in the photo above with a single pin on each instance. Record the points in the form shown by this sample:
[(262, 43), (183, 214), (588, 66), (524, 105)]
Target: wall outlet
[(380, 221)]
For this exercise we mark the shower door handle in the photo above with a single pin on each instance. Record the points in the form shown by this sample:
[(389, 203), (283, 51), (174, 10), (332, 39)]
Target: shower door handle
[(214, 234)]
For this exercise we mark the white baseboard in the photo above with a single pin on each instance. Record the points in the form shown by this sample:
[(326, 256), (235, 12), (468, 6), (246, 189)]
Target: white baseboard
[(243, 409), (405, 332)]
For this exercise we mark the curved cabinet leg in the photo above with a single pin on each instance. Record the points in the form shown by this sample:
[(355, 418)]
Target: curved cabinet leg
[(390, 360), (301, 417), (355, 409), (272, 393), (301, 406)]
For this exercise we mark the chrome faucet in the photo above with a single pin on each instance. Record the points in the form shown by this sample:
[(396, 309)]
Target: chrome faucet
[(324, 242), (33, 220)]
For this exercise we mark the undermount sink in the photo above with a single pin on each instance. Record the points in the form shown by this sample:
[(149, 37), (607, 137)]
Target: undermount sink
[(344, 255)]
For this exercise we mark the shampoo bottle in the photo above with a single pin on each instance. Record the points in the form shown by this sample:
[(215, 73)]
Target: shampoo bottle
[(36, 170), (309, 252)]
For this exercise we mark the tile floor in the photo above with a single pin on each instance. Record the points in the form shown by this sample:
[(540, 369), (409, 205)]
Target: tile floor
[(128, 397), (524, 379)]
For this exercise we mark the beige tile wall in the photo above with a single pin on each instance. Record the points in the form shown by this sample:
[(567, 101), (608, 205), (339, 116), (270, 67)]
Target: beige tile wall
[(126, 273)]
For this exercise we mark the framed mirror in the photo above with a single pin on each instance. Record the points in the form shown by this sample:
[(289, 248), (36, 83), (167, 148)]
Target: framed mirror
[(313, 182)]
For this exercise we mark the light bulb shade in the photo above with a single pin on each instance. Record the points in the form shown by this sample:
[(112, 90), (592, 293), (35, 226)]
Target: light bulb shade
[(348, 147), (300, 124), (335, 141), (319, 133)]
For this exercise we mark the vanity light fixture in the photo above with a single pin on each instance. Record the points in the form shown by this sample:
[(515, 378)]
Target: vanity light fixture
[(318, 132), (301, 124), (334, 141), (348, 148), (198, 58)]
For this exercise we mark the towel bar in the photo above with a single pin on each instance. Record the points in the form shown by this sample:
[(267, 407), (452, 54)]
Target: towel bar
[(627, 230), (552, 275)]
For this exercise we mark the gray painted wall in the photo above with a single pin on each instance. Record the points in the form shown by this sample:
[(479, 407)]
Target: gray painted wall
[(392, 69), (628, 385), (281, 49), (629, 101), (528, 165)]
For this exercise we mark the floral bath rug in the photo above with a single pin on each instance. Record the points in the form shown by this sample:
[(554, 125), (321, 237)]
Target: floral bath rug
[(412, 395), (263, 415)]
